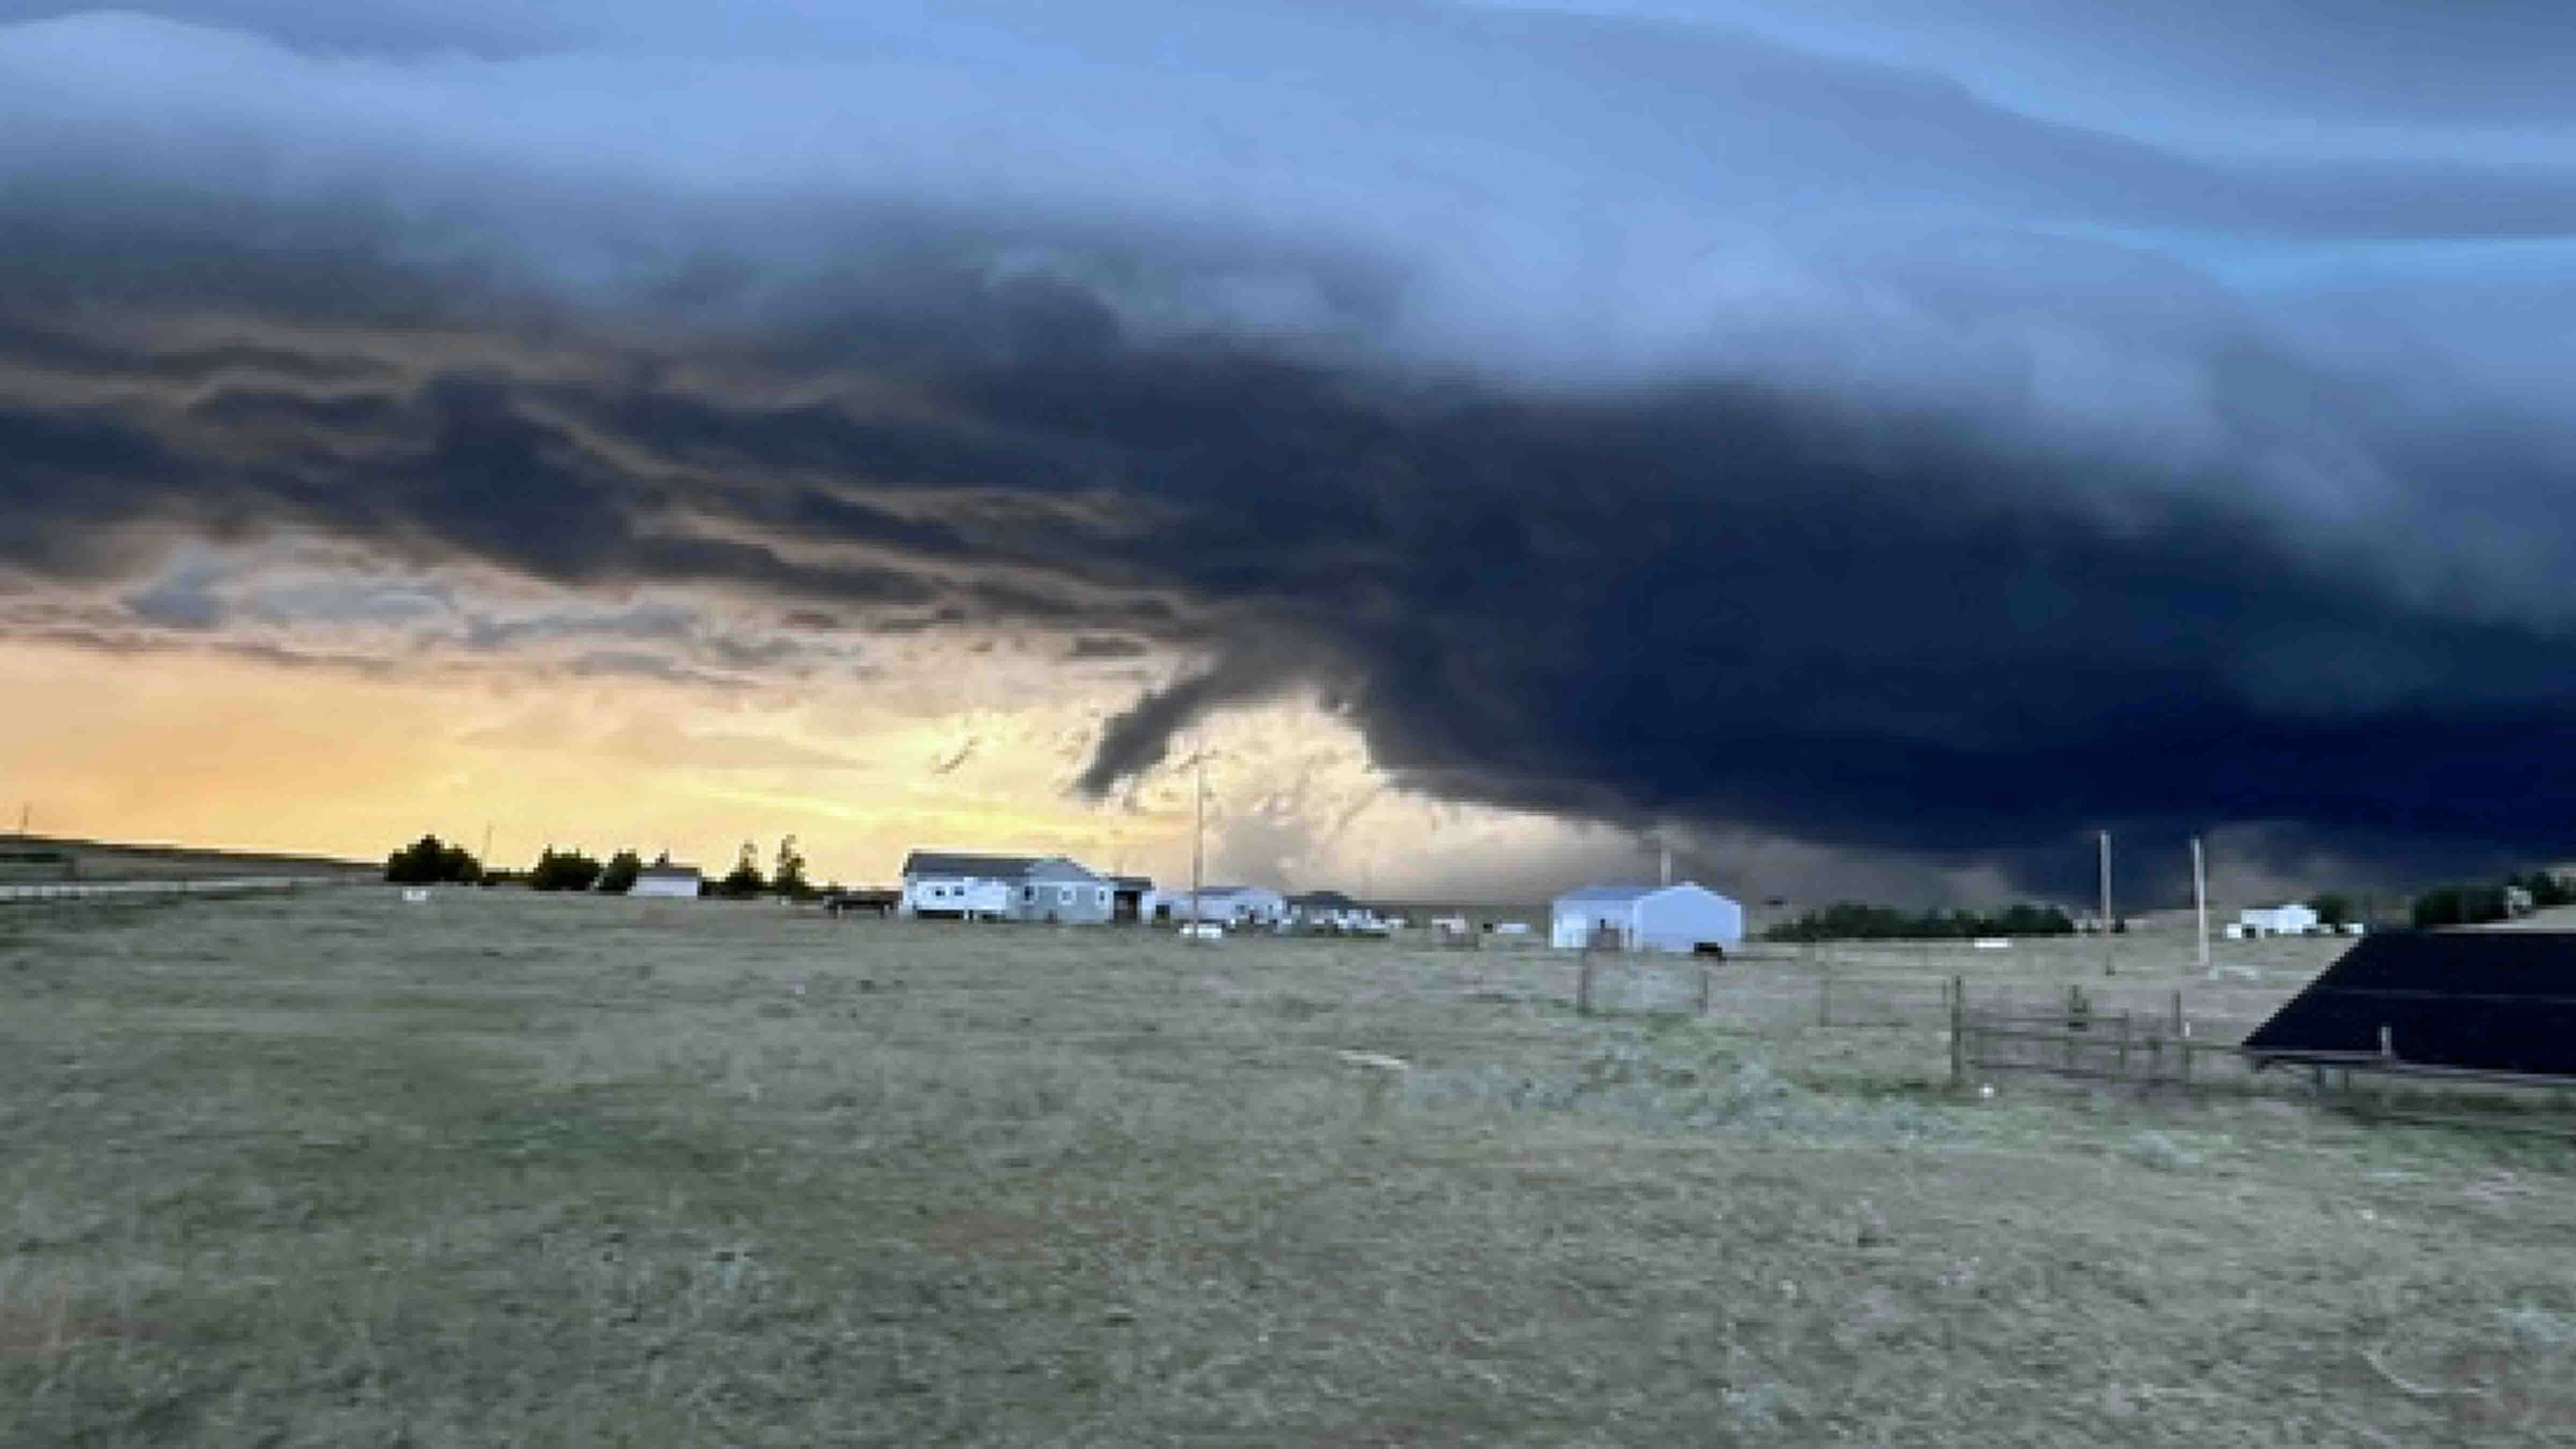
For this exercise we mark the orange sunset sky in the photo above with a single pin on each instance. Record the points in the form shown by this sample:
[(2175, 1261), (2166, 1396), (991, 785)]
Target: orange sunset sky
[(967, 750)]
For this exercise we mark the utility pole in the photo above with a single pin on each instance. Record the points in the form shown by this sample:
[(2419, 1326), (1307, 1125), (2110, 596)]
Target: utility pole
[(1198, 842), (2200, 897), (486, 856), (25, 812), (2107, 968), (1668, 865)]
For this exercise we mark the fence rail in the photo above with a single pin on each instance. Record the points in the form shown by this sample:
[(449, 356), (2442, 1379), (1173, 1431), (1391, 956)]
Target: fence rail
[(2079, 1041)]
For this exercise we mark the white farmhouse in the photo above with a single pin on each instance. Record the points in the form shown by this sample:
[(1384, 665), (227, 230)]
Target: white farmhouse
[(1681, 918), (1231, 905), (1058, 891), (943, 885), (2292, 919), (668, 881)]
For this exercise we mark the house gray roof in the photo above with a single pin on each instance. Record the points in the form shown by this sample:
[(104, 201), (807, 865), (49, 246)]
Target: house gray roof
[(690, 872), (989, 867), (1325, 901), (1134, 882)]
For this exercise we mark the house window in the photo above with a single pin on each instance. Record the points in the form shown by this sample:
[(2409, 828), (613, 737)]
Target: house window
[(1028, 893)]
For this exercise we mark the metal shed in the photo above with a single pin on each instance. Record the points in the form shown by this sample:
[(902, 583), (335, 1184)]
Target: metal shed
[(1682, 918)]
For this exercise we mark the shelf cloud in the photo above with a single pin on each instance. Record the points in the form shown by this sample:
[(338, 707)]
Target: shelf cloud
[(1822, 421)]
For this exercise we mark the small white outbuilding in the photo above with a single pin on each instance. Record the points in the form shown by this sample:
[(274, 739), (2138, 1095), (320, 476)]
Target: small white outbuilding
[(1682, 918), (676, 882), (2293, 919)]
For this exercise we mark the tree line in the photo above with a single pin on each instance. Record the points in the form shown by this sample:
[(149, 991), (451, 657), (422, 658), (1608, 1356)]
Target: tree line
[(431, 861), (1851, 921), (2471, 905)]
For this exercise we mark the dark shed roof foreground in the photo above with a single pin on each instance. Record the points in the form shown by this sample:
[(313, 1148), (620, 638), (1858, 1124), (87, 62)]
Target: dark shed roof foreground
[(2499, 1001)]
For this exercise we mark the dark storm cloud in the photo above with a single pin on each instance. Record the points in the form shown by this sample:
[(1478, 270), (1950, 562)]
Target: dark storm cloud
[(1636, 419)]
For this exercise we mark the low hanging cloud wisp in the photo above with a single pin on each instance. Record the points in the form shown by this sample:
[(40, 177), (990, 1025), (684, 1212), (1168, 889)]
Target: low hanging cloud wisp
[(1767, 424)]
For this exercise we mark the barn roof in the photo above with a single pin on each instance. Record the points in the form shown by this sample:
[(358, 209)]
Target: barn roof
[(674, 872), (2502, 1001), (1606, 895), (944, 862), (1133, 882)]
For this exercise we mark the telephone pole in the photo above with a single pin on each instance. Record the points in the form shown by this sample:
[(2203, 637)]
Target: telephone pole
[(2200, 897), (2107, 968), (1198, 842)]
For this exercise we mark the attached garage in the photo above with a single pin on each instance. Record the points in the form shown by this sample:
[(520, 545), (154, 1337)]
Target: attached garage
[(1681, 918)]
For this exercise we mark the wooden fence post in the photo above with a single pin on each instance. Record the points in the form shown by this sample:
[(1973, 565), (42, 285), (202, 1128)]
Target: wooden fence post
[(1958, 1034), (1825, 996), (1583, 986), (1703, 990)]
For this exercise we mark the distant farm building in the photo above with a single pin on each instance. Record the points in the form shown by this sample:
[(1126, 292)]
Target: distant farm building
[(1059, 892), (668, 881), (1681, 918), (942, 885), (2435, 1002), (2293, 919), (1232, 906), (1133, 898), (1330, 911), (948, 885)]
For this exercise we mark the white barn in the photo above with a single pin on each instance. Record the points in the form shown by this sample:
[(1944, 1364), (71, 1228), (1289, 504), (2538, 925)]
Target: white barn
[(2292, 919), (670, 882), (1680, 918)]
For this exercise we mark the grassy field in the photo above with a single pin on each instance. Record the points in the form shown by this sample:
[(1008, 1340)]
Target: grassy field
[(334, 1169)]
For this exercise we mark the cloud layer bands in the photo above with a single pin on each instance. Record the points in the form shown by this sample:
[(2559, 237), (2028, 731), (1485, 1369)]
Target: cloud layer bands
[(1690, 418)]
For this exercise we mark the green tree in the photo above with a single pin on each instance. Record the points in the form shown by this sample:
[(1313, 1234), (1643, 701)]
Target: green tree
[(2333, 909), (563, 870), (789, 879), (2459, 905), (429, 861), (1851, 921), (618, 876), (2547, 889), (744, 881)]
